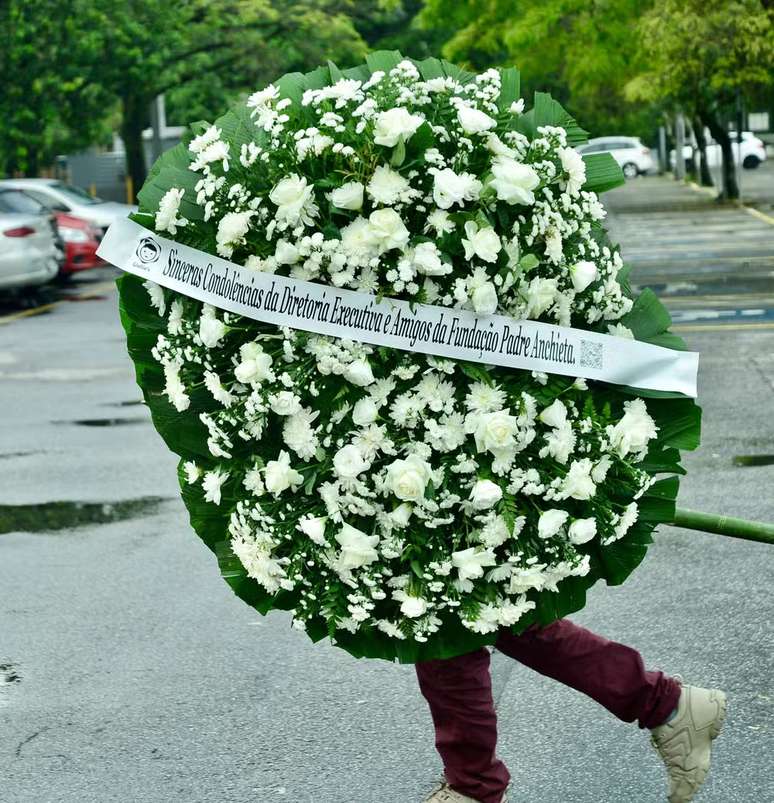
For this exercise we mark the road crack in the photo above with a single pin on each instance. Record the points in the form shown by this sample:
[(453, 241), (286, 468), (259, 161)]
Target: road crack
[(28, 740)]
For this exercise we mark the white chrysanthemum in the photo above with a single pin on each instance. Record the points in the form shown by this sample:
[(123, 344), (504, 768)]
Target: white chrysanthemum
[(575, 167), (166, 217), (387, 186), (450, 188), (634, 431), (156, 294), (212, 484), (294, 198), (232, 228), (395, 125)]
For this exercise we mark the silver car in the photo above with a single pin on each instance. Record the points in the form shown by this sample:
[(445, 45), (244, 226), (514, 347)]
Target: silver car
[(634, 158), (28, 251), (63, 197)]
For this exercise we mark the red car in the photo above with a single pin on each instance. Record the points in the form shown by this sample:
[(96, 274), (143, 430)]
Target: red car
[(80, 243)]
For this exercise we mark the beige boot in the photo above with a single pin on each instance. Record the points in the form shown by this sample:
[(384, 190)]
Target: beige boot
[(443, 793), (685, 742)]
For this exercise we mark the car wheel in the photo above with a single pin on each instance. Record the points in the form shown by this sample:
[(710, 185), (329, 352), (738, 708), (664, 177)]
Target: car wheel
[(751, 161), (630, 170)]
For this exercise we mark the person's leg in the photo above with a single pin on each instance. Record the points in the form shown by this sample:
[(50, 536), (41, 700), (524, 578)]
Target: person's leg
[(459, 693), (610, 673)]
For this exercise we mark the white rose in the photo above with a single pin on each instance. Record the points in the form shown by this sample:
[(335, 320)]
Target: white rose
[(582, 530), (412, 607), (286, 253), (408, 478), (513, 181), (388, 229), (483, 243), (473, 121), (540, 295), (314, 527), (348, 462), (401, 515), (348, 196), (365, 412), (495, 431), (357, 548), (484, 299), (427, 260), (394, 125), (496, 146), (279, 476), (633, 432), (583, 274), (551, 522), (485, 494), (359, 373), (386, 185), (255, 365), (470, 562), (555, 415), (285, 402), (450, 188), (211, 330), (291, 195)]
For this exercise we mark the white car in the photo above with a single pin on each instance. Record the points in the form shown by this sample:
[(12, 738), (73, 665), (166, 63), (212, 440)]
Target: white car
[(753, 151), (63, 197), (634, 158), (28, 251)]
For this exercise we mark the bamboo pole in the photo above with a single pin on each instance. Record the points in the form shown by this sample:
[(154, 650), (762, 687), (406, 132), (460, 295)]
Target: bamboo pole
[(724, 525)]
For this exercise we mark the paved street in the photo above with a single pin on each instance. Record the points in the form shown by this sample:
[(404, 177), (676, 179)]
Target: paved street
[(129, 672)]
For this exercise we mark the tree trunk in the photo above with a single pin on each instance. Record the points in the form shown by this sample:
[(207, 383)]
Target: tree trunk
[(133, 121), (705, 177), (692, 167), (730, 189)]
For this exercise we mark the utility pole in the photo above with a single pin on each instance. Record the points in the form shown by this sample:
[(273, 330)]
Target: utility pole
[(739, 126), (679, 147), (158, 116), (663, 156)]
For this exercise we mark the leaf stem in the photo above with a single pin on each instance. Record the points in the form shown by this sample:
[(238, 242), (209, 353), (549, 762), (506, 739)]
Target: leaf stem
[(724, 525)]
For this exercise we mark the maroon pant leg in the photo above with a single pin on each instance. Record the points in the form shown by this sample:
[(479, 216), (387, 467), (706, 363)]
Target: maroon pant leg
[(459, 693), (610, 673)]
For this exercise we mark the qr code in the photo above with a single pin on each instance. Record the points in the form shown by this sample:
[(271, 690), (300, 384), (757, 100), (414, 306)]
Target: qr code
[(591, 354)]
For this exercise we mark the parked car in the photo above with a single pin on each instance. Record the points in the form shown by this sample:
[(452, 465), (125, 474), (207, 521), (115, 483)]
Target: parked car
[(63, 197), (81, 241), (634, 158), (18, 201), (753, 151), (28, 254)]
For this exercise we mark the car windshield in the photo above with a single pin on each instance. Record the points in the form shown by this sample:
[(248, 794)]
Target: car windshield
[(16, 201), (76, 194)]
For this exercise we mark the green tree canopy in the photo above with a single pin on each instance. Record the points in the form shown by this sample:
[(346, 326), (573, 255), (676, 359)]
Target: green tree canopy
[(701, 56), (582, 51)]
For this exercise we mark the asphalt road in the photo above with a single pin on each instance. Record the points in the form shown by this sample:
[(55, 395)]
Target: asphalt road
[(129, 672)]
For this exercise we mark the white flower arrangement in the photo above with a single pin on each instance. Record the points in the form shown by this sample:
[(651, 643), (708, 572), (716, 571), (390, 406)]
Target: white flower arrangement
[(394, 499)]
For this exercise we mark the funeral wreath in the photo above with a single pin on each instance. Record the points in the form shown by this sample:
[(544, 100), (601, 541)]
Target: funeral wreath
[(405, 505)]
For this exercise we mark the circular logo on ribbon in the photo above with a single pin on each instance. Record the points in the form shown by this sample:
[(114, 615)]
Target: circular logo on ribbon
[(148, 250)]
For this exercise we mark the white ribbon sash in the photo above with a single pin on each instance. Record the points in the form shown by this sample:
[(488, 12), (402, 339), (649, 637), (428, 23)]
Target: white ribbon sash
[(441, 331)]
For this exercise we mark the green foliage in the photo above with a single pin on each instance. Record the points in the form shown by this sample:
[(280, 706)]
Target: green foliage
[(583, 53)]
